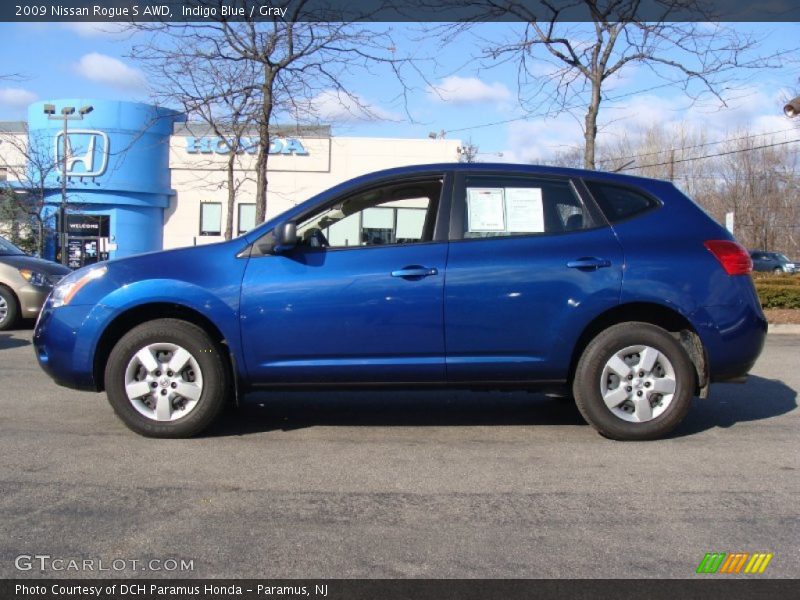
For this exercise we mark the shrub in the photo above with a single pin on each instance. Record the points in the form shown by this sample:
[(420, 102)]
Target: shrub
[(778, 296), (769, 278)]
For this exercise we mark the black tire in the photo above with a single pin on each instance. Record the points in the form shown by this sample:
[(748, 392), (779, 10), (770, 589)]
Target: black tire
[(208, 355), (777, 271), (12, 309), (589, 375)]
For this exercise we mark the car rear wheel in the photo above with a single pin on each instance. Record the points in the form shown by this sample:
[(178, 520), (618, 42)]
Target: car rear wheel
[(9, 309), (167, 378), (634, 381)]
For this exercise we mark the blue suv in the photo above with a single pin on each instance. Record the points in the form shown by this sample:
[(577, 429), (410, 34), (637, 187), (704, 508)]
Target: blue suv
[(616, 290)]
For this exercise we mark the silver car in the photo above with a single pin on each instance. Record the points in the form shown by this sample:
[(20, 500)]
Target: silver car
[(25, 282)]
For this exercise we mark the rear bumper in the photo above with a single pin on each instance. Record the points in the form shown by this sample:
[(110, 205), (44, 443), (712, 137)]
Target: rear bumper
[(733, 337)]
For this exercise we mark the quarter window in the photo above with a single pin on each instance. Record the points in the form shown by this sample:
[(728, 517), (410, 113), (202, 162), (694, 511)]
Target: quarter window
[(619, 203), (210, 218), (521, 206)]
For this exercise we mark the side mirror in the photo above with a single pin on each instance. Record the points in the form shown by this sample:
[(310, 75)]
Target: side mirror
[(285, 237)]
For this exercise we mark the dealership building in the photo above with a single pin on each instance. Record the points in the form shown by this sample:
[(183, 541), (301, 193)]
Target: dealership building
[(140, 178)]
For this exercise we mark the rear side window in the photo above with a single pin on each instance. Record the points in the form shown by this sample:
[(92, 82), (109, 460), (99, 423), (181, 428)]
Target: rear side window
[(619, 203), (499, 207)]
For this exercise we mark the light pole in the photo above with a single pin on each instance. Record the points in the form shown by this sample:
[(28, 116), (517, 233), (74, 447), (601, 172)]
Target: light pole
[(67, 115)]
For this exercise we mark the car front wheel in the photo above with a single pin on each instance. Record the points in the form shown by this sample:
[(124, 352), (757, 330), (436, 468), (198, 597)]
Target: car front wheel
[(167, 378), (634, 381), (9, 309)]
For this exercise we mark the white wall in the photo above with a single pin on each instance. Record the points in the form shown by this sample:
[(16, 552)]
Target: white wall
[(12, 153), (12, 164)]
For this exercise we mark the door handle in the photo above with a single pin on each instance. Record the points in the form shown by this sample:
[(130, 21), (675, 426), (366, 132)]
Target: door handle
[(589, 263), (415, 271)]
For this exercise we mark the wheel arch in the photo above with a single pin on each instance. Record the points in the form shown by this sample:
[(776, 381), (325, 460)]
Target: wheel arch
[(11, 291), (142, 313), (656, 314)]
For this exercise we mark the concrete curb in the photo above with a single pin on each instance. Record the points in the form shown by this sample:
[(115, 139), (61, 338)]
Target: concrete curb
[(784, 329)]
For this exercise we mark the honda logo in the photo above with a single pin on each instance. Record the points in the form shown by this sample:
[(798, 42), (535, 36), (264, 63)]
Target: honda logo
[(87, 152)]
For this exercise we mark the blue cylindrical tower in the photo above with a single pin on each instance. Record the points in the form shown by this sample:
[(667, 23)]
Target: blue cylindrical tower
[(117, 172)]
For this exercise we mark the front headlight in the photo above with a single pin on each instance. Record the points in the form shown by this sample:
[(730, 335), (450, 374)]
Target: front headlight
[(35, 278), (65, 291)]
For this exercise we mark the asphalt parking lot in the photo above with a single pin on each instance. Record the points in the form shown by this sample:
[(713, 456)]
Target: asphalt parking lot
[(445, 484)]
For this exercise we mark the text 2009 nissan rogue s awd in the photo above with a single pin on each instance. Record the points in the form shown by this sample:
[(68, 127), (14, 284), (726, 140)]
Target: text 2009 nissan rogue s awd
[(617, 290)]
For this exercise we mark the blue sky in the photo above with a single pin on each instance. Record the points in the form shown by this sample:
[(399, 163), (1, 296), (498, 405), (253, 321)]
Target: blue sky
[(468, 99)]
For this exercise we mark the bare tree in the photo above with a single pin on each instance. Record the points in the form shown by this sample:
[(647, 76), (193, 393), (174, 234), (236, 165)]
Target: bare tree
[(572, 158), (284, 65), (752, 176), (567, 66), (658, 152), (29, 166), (468, 153), (760, 184), (215, 98)]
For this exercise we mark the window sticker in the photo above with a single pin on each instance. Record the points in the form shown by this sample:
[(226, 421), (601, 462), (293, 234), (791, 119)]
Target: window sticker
[(485, 210), (524, 211)]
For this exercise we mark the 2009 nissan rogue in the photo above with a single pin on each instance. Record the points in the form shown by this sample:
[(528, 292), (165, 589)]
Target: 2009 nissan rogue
[(614, 289)]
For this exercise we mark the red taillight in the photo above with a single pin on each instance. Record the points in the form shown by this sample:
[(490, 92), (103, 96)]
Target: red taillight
[(732, 256)]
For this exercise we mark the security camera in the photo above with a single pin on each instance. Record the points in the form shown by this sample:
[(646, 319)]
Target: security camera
[(793, 108)]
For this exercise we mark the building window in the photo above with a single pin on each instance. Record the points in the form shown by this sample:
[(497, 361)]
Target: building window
[(3, 174), (210, 218), (247, 217)]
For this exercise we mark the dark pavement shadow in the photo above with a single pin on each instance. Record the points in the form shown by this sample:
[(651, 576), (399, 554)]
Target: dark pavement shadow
[(7, 341), (297, 410), (731, 403), (727, 405)]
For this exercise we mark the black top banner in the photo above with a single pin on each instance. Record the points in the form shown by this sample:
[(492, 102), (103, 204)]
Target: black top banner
[(200, 11)]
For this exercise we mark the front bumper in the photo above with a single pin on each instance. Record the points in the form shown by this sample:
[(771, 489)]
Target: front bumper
[(31, 299), (65, 340)]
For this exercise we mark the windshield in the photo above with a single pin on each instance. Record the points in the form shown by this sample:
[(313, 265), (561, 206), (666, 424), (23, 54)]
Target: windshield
[(783, 257), (7, 248)]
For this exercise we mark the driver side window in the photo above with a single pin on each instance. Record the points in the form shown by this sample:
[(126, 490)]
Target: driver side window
[(397, 213)]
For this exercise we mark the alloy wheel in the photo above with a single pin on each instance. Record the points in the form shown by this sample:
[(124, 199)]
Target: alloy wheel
[(638, 383), (163, 382)]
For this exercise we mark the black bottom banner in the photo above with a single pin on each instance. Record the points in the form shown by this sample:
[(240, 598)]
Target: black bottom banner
[(399, 589)]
